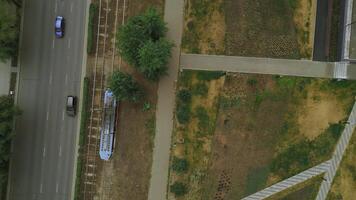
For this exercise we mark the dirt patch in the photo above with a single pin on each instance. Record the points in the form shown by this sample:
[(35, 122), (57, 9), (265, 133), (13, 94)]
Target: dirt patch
[(204, 27), (319, 111), (268, 23), (135, 7)]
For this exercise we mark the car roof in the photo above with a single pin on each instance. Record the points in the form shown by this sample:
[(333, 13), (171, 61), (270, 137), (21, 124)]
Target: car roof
[(58, 23), (70, 100)]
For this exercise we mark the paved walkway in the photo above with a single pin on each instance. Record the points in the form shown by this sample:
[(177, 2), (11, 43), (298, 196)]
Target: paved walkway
[(290, 182), (173, 15), (337, 156), (305, 68)]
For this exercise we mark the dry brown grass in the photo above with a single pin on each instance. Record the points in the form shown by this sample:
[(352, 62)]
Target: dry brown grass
[(304, 18)]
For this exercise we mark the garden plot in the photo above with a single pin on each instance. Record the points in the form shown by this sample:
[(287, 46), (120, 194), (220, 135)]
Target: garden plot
[(236, 134)]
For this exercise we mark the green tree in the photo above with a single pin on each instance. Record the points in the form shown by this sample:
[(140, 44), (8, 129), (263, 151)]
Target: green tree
[(141, 44), (7, 113), (137, 31), (153, 58), (124, 87), (8, 31), (179, 165), (178, 189)]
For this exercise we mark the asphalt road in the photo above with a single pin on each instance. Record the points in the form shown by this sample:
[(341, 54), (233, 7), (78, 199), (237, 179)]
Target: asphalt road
[(44, 147)]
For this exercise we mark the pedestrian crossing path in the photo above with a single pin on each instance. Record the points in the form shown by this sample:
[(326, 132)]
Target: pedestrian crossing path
[(337, 156), (290, 182)]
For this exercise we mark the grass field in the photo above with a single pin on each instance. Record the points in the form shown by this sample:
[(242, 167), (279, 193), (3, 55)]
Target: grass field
[(259, 129), (344, 184), (262, 28)]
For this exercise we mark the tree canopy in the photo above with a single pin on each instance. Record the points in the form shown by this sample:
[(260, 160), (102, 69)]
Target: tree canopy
[(8, 30), (124, 87), (141, 43), (153, 58), (7, 113)]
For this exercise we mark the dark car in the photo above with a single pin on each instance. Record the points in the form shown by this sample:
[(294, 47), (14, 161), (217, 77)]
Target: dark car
[(71, 105), (59, 27)]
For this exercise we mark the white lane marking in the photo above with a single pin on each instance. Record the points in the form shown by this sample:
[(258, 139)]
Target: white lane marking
[(66, 79), (63, 115), (53, 44), (44, 152), (69, 43), (57, 186), (71, 7), (60, 151), (55, 7), (50, 79), (41, 188), (47, 115)]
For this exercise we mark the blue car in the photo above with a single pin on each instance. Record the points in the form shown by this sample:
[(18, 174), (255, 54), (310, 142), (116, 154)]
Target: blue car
[(59, 27)]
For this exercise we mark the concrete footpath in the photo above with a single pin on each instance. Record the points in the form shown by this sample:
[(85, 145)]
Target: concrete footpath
[(173, 16), (287, 67)]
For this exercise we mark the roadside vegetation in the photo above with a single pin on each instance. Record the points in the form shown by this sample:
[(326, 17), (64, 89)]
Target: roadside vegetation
[(344, 184), (7, 113), (93, 14), (196, 112), (254, 131), (84, 117), (9, 29)]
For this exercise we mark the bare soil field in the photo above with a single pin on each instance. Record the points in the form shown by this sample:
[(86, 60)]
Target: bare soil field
[(267, 128), (344, 184), (261, 28)]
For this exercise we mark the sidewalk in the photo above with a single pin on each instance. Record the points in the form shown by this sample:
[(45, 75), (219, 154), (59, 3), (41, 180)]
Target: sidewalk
[(165, 104), (287, 67)]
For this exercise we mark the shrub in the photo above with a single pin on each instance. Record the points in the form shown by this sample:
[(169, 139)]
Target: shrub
[(203, 117), (209, 75), (179, 165), (335, 129), (200, 89), (252, 82), (178, 189), (185, 96), (183, 113)]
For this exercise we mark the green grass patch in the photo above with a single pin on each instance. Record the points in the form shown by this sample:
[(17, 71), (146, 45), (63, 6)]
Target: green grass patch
[(256, 180), (306, 153), (209, 75), (82, 135), (93, 12)]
